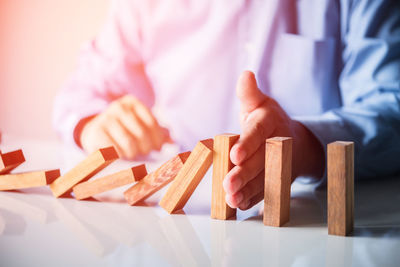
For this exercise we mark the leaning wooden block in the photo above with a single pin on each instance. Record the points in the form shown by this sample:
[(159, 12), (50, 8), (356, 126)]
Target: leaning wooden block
[(340, 188), (156, 180), (27, 179), (278, 179), (94, 163), (188, 177), (109, 182), (221, 166), (11, 160)]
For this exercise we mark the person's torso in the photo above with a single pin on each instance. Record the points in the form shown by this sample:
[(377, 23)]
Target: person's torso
[(194, 51)]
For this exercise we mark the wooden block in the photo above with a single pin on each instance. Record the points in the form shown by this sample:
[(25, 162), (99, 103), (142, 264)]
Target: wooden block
[(94, 163), (340, 188), (221, 166), (156, 180), (109, 182), (188, 177), (11, 160), (27, 179), (278, 179)]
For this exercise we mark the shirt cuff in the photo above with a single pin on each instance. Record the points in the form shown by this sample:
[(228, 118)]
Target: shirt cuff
[(67, 123)]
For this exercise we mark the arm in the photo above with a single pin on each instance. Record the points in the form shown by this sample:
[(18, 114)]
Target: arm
[(370, 89), (110, 67), (370, 115)]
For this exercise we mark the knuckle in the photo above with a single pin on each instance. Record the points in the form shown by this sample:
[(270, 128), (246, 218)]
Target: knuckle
[(128, 100), (259, 129), (107, 118), (114, 107)]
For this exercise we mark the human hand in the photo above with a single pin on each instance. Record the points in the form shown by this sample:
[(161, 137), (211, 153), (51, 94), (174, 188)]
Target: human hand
[(126, 124), (261, 118)]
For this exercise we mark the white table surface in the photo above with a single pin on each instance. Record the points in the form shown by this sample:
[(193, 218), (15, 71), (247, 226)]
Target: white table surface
[(38, 230)]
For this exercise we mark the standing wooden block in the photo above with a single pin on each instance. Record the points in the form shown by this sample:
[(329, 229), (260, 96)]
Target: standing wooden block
[(109, 182), (27, 179), (156, 180), (94, 163), (11, 160), (340, 188), (188, 177), (221, 166), (278, 179)]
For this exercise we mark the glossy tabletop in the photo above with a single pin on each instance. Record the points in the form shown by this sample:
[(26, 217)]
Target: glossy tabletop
[(38, 230)]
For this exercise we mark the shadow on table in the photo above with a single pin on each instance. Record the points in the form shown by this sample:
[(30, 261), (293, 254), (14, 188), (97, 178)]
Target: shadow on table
[(389, 231), (376, 208)]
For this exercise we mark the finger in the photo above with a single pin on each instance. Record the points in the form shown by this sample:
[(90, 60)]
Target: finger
[(253, 136), (239, 176), (125, 111), (167, 136), (95, 141), (135, 128), (124, 142), (157, 135), (253, 201), (243, 196), (248, 93)]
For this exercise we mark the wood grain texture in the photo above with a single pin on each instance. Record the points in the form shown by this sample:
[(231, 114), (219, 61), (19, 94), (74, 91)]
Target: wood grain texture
[(188, 177), (278, 179), (340, 188), (94, 163), (156, 180), (27, 179), (11, 160), (221, 166), (93, 187)]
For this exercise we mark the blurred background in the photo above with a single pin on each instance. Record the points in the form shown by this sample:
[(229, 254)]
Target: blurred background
[(39, 44)]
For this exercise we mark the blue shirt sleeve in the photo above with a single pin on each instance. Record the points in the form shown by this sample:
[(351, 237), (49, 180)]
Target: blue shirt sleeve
[(370, 88)]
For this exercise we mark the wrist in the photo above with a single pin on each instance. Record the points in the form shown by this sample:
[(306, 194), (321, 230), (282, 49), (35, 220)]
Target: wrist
[(308, 153)]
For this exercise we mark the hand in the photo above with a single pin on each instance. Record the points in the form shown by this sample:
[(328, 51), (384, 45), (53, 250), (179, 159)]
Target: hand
[(261, 118), (126, 124)]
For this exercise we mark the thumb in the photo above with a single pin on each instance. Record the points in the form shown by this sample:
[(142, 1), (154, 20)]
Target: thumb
[(248, 93)]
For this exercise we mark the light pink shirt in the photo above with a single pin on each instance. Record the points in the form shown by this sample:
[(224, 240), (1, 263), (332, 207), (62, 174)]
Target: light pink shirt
[(182, 58)]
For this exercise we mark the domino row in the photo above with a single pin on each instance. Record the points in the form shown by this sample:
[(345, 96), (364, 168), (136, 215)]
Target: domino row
[(186, 170)]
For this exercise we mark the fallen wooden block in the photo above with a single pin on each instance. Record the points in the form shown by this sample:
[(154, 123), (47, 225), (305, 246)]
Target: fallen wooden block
[(94, 163), (27, 179), (340, 188), (11, 160), (221, 166), (278, 179), (188, 177), (109, 182), (156, 180)]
